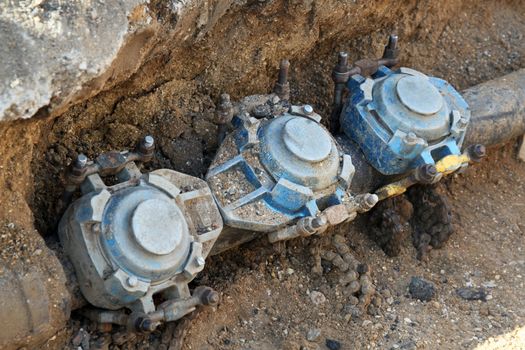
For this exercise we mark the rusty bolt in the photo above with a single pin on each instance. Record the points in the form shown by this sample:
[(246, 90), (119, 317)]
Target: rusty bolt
[(391, 49), (477, 152), (283, 72), (392, 42), (210, 297), (282, 87), (318, 222), (81, 161), (340, 73), (426, 173)]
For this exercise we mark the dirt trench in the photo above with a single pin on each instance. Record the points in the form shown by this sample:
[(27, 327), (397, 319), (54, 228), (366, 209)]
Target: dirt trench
[(235, 47)]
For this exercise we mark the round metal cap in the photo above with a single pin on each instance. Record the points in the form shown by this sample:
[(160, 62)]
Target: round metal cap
[(419, 95), (156, 225), (307, 140)]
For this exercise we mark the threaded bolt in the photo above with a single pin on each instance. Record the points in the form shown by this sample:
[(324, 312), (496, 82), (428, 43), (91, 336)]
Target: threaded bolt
[(283, 72), (225, 99), (392, 42), (211, 298), (342, 59), (148, 141), (81, 161)]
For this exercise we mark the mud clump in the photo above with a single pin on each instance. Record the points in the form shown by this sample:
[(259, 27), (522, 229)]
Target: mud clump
[(432, 219), (424, 213), (354, 276), (390, 224)]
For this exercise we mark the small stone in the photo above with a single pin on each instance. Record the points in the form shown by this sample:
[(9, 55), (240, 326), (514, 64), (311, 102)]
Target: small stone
[(366, 323), (80, 339), (489, 284), (313, 334), (289, 271), (484, 311), (421, 289), (317, 298), (333, 344), (472, 293), (352, 300)]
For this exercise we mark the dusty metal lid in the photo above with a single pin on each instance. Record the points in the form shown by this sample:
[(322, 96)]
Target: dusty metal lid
[(307, 140), (419, 95), (300, 150), (157, 226)]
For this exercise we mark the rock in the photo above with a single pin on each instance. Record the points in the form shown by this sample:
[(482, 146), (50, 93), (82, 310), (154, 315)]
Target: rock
[(80, 338), (421, 289), (472, 293), (52, 50), (489, 284), (313, 334), (333, 344), (317, 298)]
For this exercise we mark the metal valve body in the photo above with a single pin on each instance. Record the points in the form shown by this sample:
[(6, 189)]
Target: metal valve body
[(147, 234), (270, 172), (403, 119)]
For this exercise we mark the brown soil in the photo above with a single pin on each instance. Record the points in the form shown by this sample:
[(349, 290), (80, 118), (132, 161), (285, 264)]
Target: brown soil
[(172, 96)]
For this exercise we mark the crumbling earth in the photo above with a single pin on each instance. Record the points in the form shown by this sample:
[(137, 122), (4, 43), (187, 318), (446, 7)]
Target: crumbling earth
[(267, 290)]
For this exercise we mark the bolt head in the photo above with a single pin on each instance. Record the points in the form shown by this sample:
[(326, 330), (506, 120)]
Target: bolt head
[(308, 109), (148, 141), (392, 41), (430, 169), (212, 298), (81, 161), (371, 199), (318, 222), (132, 281), (480, 151), (410, 138), (462, 122)]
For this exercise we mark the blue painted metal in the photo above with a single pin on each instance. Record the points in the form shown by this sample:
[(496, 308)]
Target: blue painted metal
[(400, 126), (291, 164)]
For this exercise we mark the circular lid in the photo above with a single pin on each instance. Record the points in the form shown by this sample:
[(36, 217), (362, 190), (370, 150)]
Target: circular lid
[(299, 150), (419, 95), (306, 140), (157, 226)]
